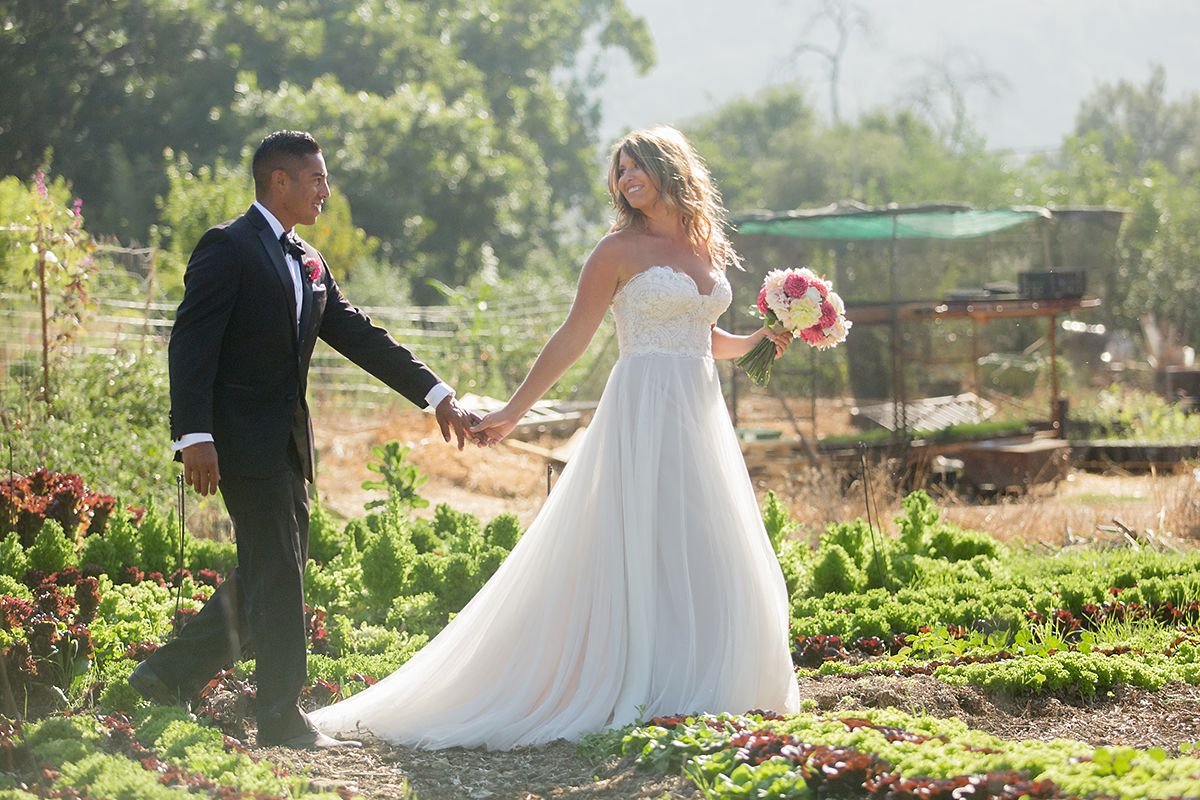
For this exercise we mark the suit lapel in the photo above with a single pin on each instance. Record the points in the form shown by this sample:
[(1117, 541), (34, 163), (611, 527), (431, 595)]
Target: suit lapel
[(275, 255), (306, 295)]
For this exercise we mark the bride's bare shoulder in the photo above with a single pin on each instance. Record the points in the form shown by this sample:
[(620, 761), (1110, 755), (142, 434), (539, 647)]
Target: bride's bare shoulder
[(621, 242), (620, 251)]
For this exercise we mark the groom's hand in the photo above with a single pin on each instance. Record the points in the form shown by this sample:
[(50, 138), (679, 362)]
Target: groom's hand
[(450, 415), (200, 470)]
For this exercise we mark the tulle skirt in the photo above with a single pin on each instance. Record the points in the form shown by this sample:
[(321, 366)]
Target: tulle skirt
[(646, 586)]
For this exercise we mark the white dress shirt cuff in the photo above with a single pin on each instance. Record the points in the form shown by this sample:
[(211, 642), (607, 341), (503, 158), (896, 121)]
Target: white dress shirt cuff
[(189, 439), (436, 395)]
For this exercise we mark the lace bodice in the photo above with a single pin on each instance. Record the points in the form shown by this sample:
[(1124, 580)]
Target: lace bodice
[(661, 310)]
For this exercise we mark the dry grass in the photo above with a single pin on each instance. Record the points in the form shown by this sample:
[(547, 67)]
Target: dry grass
[(489, 482)]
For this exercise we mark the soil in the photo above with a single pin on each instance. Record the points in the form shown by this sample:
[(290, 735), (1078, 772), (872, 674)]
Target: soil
[(507, 479), (1129, 717)]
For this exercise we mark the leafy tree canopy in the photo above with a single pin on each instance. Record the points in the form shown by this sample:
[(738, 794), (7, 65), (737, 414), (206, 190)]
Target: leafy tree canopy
[(446, 122)]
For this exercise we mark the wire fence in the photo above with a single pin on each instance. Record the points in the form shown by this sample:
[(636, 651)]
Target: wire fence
[(436, 334), (477, 348)]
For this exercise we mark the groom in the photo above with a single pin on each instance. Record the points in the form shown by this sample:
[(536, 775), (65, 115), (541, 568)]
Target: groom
[(256, 298)]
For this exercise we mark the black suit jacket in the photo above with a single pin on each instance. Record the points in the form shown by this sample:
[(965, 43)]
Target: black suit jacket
[(239, 360)]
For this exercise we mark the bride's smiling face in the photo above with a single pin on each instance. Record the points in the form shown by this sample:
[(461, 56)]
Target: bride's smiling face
[(635, 184)]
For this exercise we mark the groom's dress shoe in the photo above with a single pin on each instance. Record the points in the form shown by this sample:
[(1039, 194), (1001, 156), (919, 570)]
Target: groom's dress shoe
[(150, 686), (309, 740)]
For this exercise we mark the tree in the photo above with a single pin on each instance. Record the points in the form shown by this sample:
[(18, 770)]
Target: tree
[(845, 18), (206, 77), (106, 86), (768, 152), (1135, 125), (1136, 150), (939, 95)]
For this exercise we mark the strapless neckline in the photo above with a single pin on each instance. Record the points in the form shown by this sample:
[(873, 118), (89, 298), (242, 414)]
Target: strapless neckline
[(720, 279)]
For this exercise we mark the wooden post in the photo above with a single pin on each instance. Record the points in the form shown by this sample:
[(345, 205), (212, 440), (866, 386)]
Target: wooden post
[(150, 270), (1055, 416), (41, 270)]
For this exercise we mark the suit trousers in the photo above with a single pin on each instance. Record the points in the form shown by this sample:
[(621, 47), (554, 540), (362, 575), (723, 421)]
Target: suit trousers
[(259, 609)]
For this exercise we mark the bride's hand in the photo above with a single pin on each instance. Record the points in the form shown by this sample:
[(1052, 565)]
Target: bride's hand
[(781, 339), (495, 426)]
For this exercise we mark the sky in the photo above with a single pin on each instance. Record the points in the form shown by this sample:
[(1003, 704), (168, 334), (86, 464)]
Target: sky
[(1046, 54)]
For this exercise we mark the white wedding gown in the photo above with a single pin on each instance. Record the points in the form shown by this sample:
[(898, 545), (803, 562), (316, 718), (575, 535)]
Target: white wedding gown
[(646, 586)]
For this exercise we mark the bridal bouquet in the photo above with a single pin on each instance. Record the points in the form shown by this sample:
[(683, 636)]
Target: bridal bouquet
[(802, 302)]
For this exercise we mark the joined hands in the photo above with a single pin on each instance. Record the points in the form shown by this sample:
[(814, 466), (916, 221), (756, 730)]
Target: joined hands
[(495, 426), (451, 416)]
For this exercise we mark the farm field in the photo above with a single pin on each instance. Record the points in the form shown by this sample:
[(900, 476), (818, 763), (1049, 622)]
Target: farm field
[(931, 655)]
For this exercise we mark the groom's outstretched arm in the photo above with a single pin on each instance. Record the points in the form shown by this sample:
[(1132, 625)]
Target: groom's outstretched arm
[(350, 331)]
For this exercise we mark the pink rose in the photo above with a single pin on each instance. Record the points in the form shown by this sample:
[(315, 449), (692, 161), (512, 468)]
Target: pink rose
[(314, 269), (813, 334), (829, 315), (762, 301), (795, 285)]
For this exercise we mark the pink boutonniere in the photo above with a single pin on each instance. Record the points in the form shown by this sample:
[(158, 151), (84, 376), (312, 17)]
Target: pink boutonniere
[(313, 266)]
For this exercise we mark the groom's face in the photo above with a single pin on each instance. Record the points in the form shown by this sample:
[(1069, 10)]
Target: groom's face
[(304, 191)]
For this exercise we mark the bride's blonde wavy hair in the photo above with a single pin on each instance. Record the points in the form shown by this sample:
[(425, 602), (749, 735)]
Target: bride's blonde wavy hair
[(683, 183)]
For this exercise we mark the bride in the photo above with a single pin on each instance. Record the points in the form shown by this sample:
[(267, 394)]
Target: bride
[(646, 586)]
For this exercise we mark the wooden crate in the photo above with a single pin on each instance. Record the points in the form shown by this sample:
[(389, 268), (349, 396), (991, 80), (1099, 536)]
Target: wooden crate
[(1014, 464)]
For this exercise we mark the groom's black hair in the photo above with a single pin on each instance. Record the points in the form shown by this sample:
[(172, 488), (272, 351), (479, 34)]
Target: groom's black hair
[(276, 151)]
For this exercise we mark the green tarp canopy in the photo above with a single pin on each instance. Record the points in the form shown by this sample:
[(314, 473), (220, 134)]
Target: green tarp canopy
[(860, 223)]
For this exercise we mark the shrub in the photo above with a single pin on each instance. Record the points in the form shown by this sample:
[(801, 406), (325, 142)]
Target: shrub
[(220, 557), (104, 407), (51, 551), (337, 586), (325, 539), (920, 515), (458, 529), (503, 531), (420, 533), (98, 552), (852, 537), (954, 544), (13, 561), (835, 571), (794, 561), (158, 543), (461, 579), (777, 520), (385, 564), (418, 613)]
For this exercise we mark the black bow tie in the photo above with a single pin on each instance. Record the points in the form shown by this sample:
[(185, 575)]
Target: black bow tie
[(292, 247)]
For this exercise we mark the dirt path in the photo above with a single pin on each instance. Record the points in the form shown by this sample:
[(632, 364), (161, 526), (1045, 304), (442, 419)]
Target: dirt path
[(381, 772), (1130, 717)]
